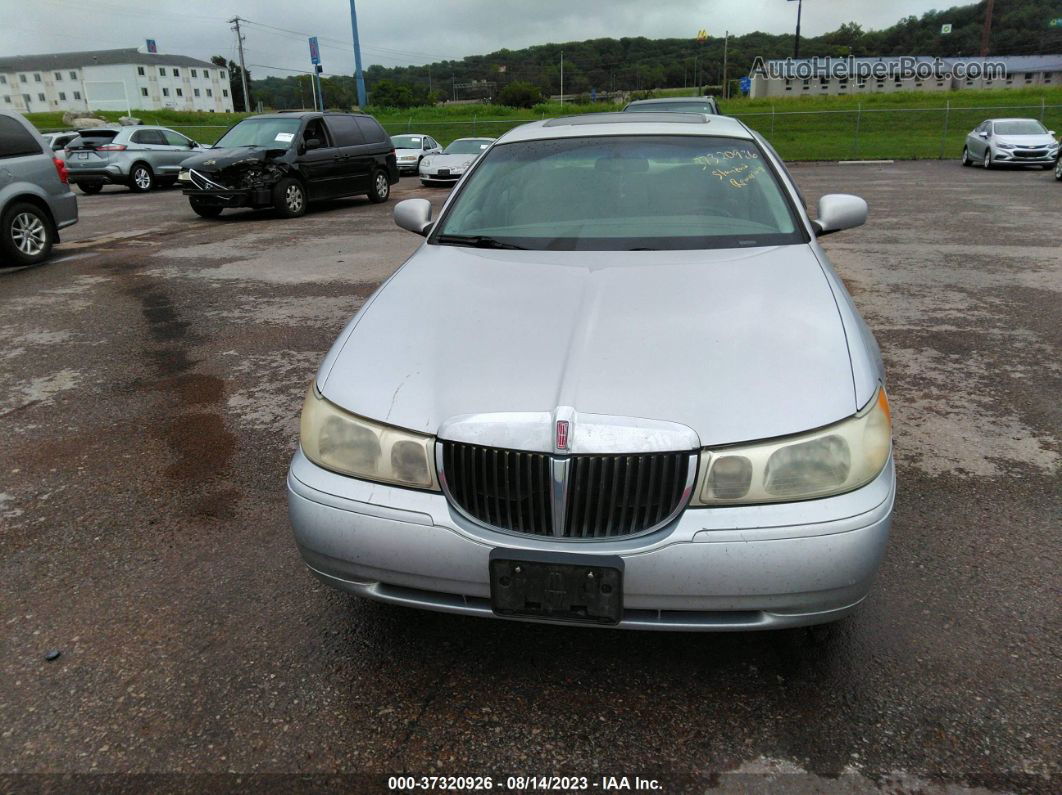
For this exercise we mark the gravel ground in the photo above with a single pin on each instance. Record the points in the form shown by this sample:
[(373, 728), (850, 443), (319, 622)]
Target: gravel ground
[(150, 379)]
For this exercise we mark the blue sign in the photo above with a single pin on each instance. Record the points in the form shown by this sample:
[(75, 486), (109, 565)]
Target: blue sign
[(593, 94), (746, 85), (315, 51), (152, 46)]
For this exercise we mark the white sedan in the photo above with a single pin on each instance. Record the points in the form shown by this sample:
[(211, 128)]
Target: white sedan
[(449, 166), (412, 148)]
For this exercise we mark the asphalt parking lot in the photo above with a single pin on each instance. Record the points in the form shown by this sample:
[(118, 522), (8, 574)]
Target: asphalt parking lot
[(150, 380)]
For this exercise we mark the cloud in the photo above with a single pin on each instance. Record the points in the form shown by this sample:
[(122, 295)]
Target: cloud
[(403, 32)]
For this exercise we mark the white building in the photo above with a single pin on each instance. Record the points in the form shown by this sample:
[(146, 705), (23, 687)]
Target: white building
[(112, 80), (1021, 71)]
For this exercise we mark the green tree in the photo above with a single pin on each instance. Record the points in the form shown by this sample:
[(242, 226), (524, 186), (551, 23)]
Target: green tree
[(520, 94), (235, 82)]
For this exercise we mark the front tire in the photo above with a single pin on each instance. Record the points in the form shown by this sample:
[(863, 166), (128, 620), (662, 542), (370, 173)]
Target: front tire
[(381, 188), (988, 159), (205, 210), (1058, 170), (90, 188), (289, 198), (141, 178), (26, 235), (966, 156)]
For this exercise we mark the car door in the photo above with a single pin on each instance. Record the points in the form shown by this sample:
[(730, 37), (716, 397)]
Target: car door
[(352, 173), (152, 148), (178, 149), (980, 143), (319, 165)]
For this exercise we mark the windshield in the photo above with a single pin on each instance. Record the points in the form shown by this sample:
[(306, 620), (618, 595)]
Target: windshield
[(268, 133), (1020, 127), (407, 141), (466, 146), (670, 107), (623, 193)]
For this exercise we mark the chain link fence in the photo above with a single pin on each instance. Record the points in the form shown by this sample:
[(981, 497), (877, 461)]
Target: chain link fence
[(859, 133)]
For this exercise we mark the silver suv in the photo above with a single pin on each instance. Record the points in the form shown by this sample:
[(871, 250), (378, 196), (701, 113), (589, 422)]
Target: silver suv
[(141, 157), (35, 200)]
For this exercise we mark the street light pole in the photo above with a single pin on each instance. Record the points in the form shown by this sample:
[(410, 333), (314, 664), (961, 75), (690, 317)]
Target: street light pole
[(358, 76), (796, 44)]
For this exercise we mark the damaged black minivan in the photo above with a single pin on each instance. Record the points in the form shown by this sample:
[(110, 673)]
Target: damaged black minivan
[(286, 160)]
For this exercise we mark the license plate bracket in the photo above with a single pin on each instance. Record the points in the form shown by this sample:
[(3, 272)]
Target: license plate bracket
[(444, 172), (558, 586)]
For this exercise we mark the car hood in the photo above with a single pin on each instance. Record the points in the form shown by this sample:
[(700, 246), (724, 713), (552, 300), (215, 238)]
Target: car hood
[(1026, 140), (450, 161), (217, 160), (736, 345)]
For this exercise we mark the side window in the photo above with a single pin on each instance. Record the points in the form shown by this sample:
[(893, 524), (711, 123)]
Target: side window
[(371, 129), (174, 139), (16, 140), (316, 129), (152, 137), (345, 131)]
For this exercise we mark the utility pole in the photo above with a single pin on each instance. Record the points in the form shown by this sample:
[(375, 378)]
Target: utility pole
[(562, 77), (429, 78), (243, 69), (986, 32), (796, 44), (726, 87), (453, 82), (358, 75)]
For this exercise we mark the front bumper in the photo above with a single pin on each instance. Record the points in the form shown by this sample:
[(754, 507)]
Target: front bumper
[(741, 568), (255, 197), (1019, 157)]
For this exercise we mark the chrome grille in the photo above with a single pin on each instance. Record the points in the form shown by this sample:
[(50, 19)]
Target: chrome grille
[(596, 496), (509, 489)]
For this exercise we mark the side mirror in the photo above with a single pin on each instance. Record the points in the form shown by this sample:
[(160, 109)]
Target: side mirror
[(193, 144), (1050, 132), (983, 134), (414, 215), (839, 211), (313, 143)]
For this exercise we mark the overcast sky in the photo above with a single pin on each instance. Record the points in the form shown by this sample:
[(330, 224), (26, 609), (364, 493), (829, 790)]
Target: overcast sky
[(401, 32)]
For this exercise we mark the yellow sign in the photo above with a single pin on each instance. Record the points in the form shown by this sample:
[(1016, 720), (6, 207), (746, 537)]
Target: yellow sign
[(702, 35)]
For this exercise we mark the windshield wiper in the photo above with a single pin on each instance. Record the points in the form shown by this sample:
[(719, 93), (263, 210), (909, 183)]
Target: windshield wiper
[(478, 241)]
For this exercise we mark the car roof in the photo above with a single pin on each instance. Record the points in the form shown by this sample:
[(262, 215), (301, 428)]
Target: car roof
[(698, 100), (472, 139), (299, 114), (592, 124), (1016, 118)]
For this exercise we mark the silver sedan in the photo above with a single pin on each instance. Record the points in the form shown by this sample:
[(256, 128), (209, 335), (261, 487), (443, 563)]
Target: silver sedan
[(619, 384), (1024, 142)]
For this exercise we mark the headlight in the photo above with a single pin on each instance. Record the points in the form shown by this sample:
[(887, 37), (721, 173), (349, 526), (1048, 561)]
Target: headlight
[(339, 441), (184, 176), (426, 161), (1005, 146), (831, 460)]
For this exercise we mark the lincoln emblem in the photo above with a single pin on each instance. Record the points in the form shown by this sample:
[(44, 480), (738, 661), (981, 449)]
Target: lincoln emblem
[(562, 434)]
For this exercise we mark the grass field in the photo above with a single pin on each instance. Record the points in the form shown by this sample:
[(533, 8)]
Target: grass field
[(903, 125)]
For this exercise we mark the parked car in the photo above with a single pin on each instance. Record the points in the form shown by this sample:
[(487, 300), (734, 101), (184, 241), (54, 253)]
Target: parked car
[(1018, 141), (140, 157), (412, 148), (286, 160), (619, 383), (447, 168), (58, 142), (674, 105), (35, 198)]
